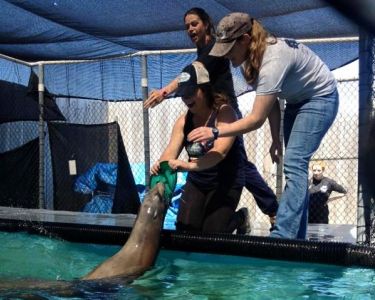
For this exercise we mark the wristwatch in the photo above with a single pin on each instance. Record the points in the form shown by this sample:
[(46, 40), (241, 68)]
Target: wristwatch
[(215, 132)]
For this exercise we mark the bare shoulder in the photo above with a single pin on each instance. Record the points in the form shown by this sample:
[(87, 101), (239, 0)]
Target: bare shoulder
[(180, 123), (226, 113)]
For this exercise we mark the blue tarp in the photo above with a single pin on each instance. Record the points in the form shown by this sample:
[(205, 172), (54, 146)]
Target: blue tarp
[(42, 30), (78, 29), (92, 182)]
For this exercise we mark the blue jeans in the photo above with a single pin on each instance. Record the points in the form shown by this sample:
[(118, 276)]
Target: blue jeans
[(305, 125)]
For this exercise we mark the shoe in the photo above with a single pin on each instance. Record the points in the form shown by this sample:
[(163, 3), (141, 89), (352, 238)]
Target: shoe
[(272, 221), (245, 227)]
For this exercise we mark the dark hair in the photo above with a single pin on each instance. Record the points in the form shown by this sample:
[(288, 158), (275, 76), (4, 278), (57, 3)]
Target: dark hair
[(206, 19), (214, 100)]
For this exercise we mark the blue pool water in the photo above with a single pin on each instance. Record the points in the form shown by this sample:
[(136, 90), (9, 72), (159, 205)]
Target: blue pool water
[(180, 275)]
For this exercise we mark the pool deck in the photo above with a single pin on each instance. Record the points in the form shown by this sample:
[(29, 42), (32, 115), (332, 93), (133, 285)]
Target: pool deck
[(345, 233), (70, 217)]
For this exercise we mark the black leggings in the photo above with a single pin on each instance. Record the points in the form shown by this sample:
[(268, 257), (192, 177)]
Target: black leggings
[(208, 210), (254, 182)]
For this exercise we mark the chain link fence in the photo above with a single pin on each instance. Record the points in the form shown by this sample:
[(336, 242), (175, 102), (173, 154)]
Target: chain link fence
[(339, 148)]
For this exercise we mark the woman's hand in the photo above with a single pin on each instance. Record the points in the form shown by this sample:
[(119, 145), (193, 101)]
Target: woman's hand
[(155, 168), (156, 97), (200, 134), (276, 150)]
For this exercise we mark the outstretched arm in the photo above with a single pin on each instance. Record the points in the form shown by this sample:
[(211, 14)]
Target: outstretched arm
[(157, 96), (261, 110), (175, 144)]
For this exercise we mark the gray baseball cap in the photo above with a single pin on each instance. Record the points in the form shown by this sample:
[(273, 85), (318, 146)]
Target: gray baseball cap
[(230, 28)]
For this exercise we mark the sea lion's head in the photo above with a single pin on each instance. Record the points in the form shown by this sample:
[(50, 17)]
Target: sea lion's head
[(154, 204)]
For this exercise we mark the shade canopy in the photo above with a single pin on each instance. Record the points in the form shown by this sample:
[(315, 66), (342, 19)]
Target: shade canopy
[(49, 30), (84, 29)]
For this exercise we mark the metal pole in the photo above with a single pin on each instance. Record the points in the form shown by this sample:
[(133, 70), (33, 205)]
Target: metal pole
[(41, 135), (280, 165), (146, 129), (366, 95), (159, 52)]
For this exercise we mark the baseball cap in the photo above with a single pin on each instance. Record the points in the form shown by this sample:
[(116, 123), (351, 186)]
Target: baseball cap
[(230, 28), (190, 78)]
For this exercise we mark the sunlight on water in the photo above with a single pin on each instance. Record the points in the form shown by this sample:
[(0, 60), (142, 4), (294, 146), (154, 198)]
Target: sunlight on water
[(25, 255), (180, 275)]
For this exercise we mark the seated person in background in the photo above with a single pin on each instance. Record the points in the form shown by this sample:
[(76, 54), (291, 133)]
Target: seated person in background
[(320, 189), (215, 173)]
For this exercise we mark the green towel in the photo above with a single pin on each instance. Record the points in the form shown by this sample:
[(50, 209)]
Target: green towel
[(168, 177)]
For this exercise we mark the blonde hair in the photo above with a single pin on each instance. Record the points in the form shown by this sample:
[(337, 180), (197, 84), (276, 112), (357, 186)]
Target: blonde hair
[(320, 163), (256, 49)]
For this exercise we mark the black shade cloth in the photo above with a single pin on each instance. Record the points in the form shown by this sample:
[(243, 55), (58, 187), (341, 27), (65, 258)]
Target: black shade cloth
[(19, 177), (20, 103), (81, 147)]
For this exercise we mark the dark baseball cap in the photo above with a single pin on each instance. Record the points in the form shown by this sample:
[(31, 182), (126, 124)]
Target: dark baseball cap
[(230, 28), (190, 78)]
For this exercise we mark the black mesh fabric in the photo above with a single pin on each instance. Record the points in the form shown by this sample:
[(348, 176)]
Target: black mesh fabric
[(19, 176), (81, 156), (20, 103)]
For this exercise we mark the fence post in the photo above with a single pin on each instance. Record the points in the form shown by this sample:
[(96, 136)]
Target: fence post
[(365, 214), (41, 134), (146, 128), (280, 165)]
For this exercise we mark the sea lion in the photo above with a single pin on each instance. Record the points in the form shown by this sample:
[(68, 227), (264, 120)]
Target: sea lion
[(139, 252), (136, 256)]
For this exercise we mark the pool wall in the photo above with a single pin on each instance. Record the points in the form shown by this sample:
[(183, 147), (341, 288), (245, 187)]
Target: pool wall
[(336, 253)]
